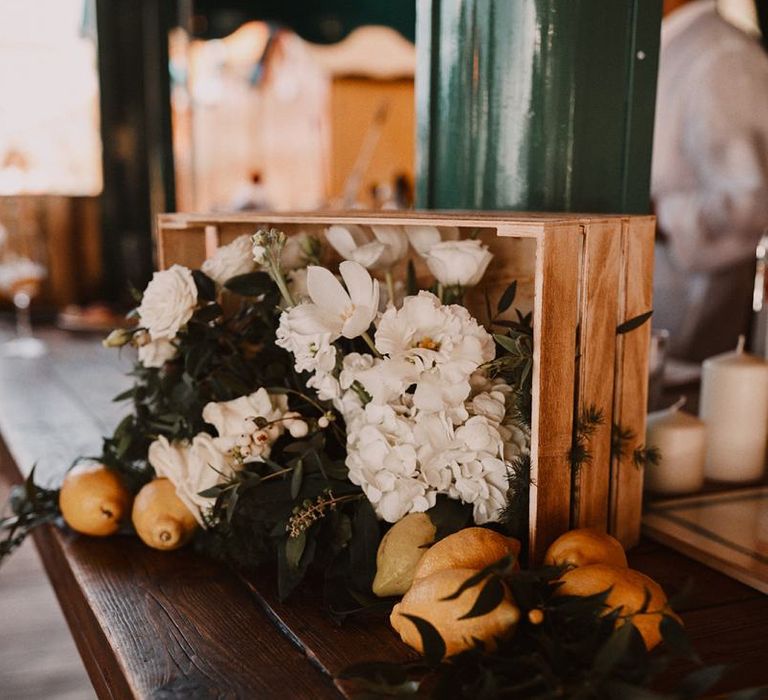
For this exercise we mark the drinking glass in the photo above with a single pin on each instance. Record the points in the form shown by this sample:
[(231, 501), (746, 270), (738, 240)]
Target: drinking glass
[(21, 275)]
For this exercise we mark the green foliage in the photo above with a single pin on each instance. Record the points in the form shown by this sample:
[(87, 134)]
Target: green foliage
[(588, 421), (573, 650), (633, 323), (30, 505)]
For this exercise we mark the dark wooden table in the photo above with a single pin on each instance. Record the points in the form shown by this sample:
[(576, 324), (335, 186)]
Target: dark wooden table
[(175, 625)]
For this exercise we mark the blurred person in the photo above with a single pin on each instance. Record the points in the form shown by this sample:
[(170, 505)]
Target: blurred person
[(710, 177)]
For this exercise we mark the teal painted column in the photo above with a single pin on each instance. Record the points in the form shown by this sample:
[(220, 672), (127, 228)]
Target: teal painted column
[(536, 104)]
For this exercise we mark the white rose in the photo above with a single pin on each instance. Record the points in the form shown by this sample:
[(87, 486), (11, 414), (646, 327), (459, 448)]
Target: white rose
[(192, 468), (458, 262), (230, 261), (168, 302), (157, 352)]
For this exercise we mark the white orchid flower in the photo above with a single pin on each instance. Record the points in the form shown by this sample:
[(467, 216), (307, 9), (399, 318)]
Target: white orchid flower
[(348, 312), (381, 249)]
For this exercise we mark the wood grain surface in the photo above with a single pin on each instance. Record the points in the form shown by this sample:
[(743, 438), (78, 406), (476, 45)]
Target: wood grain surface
[(175, 625), (601, 263)]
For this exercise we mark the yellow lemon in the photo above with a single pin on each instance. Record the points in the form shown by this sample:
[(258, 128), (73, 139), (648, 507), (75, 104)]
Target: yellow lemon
[(93, 500), (586, 546), (470, 548), (628, 591), (161, 519), (400, 552), (425, 599)]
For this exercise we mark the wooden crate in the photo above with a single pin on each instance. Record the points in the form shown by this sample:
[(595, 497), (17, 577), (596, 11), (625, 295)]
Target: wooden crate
[(581, 276)]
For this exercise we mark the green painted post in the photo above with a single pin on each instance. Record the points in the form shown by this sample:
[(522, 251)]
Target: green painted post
[(536, 104)]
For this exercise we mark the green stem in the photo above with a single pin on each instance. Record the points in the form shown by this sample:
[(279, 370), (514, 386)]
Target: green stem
[(390, 287), (278, 277), (369, 343), (440, 292)]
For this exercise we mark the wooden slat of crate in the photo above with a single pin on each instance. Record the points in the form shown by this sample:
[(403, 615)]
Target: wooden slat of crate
[(631, 383), (178, 245), (597, 349), (555, 319)]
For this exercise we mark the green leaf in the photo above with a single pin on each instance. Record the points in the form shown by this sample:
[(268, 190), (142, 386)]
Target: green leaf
[(206, 287), (434, 646), (251, 284), (449, 515), (506, 342), (294, 548), (612, 653), (489, 598), (698, 682), (507, 298), (499, 566), (208, 313), (296, 478), (676, 639), (127, 394), (633, 323)]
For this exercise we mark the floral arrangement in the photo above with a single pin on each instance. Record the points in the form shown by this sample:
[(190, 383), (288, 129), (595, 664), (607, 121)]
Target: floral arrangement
[(296, 413), (347, 428)]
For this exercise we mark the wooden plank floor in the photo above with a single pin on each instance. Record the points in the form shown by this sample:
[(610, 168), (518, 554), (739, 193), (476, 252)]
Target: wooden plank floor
[(38, 657)]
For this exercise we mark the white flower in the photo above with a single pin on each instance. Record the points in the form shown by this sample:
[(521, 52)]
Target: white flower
[(300, 249), (423, 238), (301, 334), (381, 251), (483, 483), (168, 302), (460, 263), (191, 468), (230, 261), (343, 312), (326, 385), (156, 353), (297, 283), (237, 433)]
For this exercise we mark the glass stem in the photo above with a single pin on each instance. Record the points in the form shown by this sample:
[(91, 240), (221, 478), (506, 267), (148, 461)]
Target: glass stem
[(22, 300)]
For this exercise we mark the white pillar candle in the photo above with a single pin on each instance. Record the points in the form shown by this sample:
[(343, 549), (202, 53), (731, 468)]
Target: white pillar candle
[(682, 441), (734, 405)]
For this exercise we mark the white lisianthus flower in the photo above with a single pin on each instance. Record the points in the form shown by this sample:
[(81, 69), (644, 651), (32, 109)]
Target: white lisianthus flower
[(230, 261), (192, 468), (348, 312), (382, 249), (423, 238), (168, 302), (156, 353), (238, 433), (445, 336), (458, 263)]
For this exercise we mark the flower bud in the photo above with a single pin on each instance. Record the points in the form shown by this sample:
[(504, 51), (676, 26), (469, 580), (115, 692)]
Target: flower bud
[(117, 338), (298, 429)]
